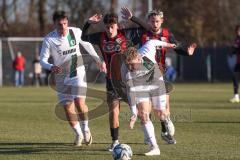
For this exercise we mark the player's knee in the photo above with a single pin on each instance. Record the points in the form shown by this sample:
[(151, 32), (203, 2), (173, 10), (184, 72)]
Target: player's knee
[(161, 114), (80, 102), (144, 117)]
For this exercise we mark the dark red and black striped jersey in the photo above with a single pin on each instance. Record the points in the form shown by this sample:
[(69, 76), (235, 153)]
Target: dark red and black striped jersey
[(165, 36), (110, 47)]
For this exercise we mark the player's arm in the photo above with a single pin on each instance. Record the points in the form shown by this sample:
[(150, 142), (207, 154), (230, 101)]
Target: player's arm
[(95, 37), (44, 56), (156, 43), (182, 48), (127, 15), (89, 48), (130, 96), (134, 34)]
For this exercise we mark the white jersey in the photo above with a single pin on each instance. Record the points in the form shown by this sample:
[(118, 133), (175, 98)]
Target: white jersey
[(149, 49), (147, 77), (65, 51)]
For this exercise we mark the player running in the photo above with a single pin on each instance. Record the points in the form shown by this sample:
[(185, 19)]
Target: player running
[(112, 42), (236, 99), (62, 44), (155, 20), (145, 88)]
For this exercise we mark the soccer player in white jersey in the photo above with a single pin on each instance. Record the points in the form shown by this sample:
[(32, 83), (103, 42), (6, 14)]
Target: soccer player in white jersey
[(62, 44), (145, 88)]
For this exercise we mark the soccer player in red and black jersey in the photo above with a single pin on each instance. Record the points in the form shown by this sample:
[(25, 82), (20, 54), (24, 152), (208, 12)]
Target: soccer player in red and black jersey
[(235, 99), (112, 43), (155, 20)]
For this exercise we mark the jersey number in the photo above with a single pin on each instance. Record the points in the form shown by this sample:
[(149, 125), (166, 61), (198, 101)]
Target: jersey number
[(73, 67)]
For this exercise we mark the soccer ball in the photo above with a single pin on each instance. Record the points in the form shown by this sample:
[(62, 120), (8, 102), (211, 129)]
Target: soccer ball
[(122, 152)]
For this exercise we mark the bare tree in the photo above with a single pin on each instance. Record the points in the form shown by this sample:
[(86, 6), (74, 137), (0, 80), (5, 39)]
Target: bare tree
[(31, 10), (15, 11), (4, 12), (113, 5), (42, 16)]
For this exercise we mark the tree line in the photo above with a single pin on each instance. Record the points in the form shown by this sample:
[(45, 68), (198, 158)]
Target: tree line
[(205, 22)]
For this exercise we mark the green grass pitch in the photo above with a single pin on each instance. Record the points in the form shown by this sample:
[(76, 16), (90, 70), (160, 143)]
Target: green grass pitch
[(207, 127)]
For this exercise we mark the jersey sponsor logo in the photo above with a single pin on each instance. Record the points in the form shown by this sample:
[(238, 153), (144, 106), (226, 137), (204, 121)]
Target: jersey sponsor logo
[(110, 47), (69, 51)]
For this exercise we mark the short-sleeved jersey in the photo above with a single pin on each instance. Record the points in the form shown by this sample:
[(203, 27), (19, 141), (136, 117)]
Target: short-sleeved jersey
[(65, 51), (148, 75)]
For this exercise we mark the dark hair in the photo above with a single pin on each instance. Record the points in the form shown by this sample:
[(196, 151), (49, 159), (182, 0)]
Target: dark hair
[(110, 18), (155, 13), (59, 15)]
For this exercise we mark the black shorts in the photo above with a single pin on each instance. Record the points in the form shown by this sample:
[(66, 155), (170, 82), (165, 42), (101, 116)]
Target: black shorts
[(111, 92), (116, 91)]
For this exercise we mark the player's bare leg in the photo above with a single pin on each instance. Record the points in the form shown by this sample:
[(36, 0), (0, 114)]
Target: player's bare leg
[(167, 126), (72, 118), (144, 109), (114, 109), (83, 116)]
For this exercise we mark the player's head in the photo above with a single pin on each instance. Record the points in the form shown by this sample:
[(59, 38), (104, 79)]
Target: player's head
[(237, 29), (155, 20), (110, 21), (60, 19), (132, 59), (19, 54)]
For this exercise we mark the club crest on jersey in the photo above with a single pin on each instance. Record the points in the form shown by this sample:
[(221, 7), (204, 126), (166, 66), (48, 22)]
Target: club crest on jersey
[(72, 42)]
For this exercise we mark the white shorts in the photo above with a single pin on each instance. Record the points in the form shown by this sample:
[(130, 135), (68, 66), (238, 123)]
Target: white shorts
[(151, 93), (70, 88), (158, 102)]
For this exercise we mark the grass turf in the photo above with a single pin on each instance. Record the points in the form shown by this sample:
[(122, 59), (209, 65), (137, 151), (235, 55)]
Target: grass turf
[(207, 126)]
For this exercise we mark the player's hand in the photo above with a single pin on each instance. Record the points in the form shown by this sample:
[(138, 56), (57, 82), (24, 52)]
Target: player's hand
[(132, 121), (126, 13), (56, 69), (191, 49), (95, 18), (102, 66), (171, 45)]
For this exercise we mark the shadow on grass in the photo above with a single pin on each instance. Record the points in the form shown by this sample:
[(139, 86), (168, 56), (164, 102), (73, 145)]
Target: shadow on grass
[(50, 148)]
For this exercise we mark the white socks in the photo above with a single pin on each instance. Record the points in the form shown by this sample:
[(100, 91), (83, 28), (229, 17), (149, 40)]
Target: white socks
[(80, 129), (84, 125), (148, 130), (77, 129)]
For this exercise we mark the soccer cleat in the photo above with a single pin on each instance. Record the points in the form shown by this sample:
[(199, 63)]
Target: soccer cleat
[(87, 137), (78, 141), (154, 151), (168, 138), (114, 144), (234, 100)]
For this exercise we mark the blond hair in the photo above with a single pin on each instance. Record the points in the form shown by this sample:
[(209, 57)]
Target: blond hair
[(130, 54)]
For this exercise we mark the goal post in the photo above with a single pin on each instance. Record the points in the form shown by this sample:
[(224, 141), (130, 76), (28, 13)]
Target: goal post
[(29, 46)]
